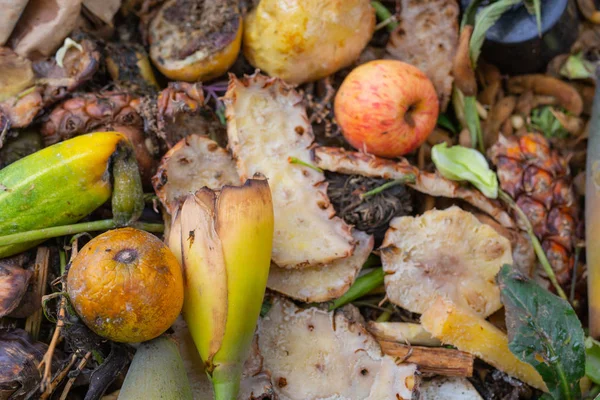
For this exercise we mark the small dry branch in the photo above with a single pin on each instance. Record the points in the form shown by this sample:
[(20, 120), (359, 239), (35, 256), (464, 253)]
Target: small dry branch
[(435, 360)]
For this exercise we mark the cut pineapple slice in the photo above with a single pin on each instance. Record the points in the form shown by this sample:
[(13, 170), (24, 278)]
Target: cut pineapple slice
[(322, 283), (194, 162), (267, 126), (443, 252), (314, 354), (469, 332)]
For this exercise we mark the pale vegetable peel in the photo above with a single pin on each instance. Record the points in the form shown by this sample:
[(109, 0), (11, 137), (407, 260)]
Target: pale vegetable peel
[(266, 125), (445, 253), (313, 354), (322, 283)]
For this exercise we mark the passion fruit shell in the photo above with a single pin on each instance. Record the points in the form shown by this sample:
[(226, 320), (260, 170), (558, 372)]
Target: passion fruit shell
[(126, 285)]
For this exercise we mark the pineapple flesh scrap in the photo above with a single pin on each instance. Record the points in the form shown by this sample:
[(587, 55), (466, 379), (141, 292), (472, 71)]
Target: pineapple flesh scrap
[(194, 162), (322, 283), (314, 354), (443, 252), (266, 125), (467, 331)]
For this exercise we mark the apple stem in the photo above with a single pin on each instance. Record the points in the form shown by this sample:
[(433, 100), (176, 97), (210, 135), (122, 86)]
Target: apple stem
[(408, 178)]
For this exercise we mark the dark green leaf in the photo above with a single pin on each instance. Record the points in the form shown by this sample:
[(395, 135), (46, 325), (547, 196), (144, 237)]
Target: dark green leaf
[(592, 360), (484, 20), (362, 286), (544, 331), (445, 122)]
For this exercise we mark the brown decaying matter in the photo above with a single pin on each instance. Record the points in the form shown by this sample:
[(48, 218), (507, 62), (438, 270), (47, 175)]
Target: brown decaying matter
[(351, 162)]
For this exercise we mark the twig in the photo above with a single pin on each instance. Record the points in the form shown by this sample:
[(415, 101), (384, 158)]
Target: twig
[(60, 323), (537, 246), (437, 360), (76, 373), (34, 321), (59, 378)]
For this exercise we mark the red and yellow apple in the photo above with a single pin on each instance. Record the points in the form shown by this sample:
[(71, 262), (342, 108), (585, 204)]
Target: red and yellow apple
[(386, 107)]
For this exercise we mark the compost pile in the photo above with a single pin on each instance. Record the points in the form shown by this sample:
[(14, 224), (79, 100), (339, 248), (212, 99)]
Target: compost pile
[(296, 200)]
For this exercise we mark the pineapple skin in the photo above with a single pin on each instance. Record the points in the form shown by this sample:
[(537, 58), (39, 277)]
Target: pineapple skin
[(539, 180)]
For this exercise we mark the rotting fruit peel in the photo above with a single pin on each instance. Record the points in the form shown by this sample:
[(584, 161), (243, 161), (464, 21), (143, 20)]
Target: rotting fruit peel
[(57, 185), (302, 41), (224, 240), (126, 285)]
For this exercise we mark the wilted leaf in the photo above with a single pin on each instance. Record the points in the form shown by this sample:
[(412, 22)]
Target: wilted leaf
[(459, 163), (484, 20), (577, 67), (544, 331)]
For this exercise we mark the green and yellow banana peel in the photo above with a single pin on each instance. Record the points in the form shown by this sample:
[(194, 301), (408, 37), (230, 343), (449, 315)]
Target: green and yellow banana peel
[(224, 241), (63, 183)]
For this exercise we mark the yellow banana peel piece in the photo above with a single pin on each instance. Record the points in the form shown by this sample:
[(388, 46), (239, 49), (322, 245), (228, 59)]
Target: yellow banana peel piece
[(224, 240)]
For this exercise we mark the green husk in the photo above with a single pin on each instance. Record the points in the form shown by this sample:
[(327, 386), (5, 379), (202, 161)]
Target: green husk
[(156, 373)]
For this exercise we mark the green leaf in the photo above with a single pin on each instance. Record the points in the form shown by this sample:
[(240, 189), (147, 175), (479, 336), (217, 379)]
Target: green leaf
[(360, 287), (544, 331), (544, 121), (445, 122), (592, 360), (577, 67), (473, 123), (470, 12), (484, 20), (534, 7), (384, 14), (459, 163)]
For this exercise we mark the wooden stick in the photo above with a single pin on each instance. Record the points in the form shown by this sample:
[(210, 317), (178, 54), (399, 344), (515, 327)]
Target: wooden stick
[(34, 321), (436, 360)]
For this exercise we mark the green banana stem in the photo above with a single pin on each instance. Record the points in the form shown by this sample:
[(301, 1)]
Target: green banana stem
[(56, 231), (128, 195), (362, 286), (226, 381)]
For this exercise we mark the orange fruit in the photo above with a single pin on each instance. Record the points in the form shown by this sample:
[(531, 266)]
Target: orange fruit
[(126, 285)]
